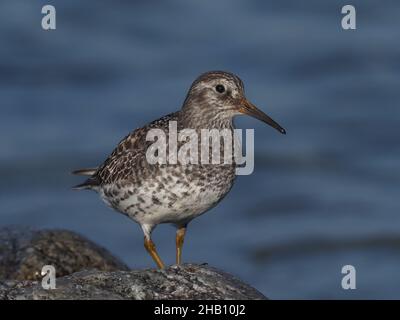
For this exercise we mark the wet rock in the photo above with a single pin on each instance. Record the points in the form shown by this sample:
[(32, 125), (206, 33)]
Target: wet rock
[(188, 281), (23, 253)]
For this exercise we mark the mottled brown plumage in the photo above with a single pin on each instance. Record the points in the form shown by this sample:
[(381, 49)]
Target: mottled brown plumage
[(151, 194)]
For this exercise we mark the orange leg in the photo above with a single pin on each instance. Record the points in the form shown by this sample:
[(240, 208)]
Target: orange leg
[(151, 249), (180, 236)]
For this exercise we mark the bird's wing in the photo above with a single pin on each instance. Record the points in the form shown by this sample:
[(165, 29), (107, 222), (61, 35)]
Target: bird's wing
[(129, 158)]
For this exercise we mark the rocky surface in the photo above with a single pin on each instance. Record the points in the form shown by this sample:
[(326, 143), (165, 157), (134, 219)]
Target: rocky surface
[(87, 271), (23, 253), (188, 281)]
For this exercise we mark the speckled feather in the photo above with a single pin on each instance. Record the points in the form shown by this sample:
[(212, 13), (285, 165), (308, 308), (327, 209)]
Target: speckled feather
[(152, 194)]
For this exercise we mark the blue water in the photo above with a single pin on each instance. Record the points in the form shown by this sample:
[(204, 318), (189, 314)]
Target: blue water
[(324, 196)]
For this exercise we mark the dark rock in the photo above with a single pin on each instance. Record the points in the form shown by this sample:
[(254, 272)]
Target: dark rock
[(188, 281), (87, 271), (23, 253)]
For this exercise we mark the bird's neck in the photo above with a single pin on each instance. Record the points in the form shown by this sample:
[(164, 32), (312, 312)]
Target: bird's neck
[(194, 118)]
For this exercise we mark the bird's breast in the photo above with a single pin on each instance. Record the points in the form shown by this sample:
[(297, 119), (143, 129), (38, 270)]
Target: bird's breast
[(173, 194)]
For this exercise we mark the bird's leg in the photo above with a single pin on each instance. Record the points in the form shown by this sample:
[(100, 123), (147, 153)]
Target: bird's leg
[(151, 249), (180, 236)]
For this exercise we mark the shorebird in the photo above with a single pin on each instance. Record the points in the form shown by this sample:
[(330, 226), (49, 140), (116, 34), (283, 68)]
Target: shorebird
[(151, 194)]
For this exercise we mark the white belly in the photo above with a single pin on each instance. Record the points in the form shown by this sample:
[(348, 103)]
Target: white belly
[(173, 200)]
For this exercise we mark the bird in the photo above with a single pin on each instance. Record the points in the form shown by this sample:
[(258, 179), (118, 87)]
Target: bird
[(175, 193)]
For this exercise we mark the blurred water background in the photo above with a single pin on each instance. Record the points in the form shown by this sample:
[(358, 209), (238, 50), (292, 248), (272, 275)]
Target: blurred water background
[(324, 196)]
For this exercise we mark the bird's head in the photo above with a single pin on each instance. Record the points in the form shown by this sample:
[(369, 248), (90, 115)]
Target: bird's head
[(220, 95)]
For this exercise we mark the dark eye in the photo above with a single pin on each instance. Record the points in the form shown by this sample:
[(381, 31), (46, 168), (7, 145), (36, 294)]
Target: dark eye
[(220, 88)]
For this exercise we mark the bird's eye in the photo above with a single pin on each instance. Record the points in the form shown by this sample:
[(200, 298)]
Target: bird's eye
[(220, 88)]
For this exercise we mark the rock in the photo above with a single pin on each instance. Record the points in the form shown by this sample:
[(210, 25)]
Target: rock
[(23, 253), (87, 271), (189, 281)]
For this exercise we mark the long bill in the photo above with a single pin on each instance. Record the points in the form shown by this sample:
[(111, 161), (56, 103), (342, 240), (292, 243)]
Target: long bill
[(250, 109)]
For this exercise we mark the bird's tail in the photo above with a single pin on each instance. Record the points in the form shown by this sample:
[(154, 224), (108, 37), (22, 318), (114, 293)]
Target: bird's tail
[(85, 172), (89, 183)]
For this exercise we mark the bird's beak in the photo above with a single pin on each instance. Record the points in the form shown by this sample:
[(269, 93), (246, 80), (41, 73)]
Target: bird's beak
[(250, 109)]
